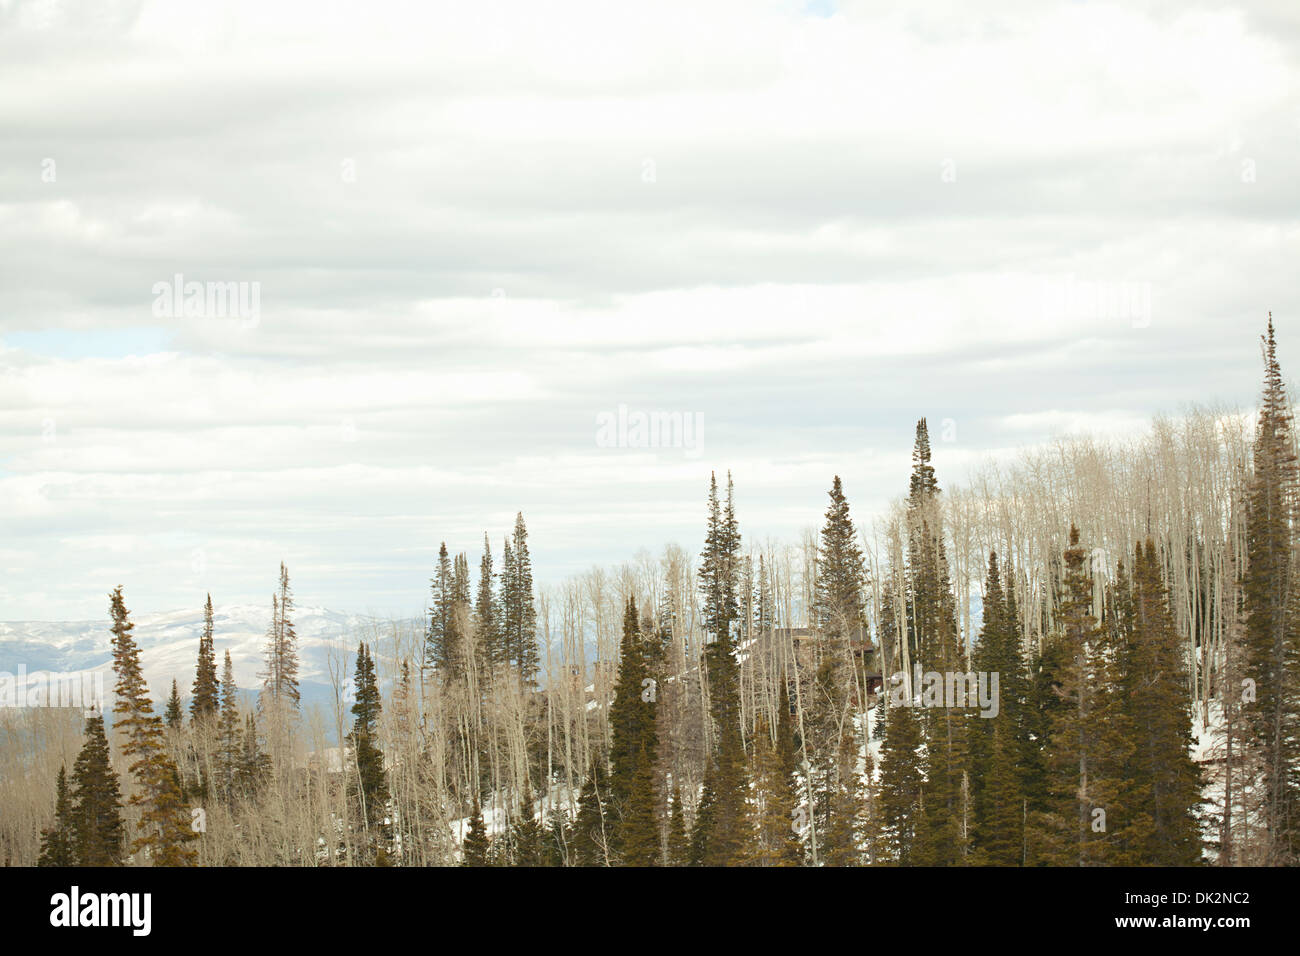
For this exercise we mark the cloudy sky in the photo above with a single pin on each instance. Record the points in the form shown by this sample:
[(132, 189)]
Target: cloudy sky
[(463, 232)]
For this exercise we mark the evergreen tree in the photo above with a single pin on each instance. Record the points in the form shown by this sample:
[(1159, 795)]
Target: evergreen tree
[(528, 834), (1166, 782), (999, 743), (370, 789), (679, 848), (205, 699), (838, 612), (280, 678), (96, 801), (840, 845), (1272, 604), (279, 701), (254, 765), (827, 711), (931, 610), (839, 605), (592, 844), (557, 842), (721, 559), (787, 746), (519, 614), (1090, 810), (487, 628), (773, 841), (633, 746), (1031, 716), (765, 618), (720, 824), (438, 652), (901, 781), (229, 750), (702, 826), (476, 846), (943, 829), (891, 640), (164, 823), (173, 716), (59, 841)]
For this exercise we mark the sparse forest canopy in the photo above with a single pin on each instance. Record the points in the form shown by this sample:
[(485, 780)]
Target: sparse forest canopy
[(1089, 655)]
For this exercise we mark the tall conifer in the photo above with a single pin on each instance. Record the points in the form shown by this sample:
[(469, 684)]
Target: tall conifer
[(205, 699), (164, 832), (1165, 781), (59, 840), (96, 801), (1272, 604), (1090, 808), (719, 836)]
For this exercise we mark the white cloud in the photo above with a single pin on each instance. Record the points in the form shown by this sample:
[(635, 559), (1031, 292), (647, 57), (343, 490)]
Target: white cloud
[(474, 227)]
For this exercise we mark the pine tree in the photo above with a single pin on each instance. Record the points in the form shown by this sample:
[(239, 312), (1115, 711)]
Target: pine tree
[(1090, 810), (838, 612), (205, 700), (476, 846), (702, 825), (164, 823), (1272, 604), (370, 789), (591, 831), (558, 840), (228, 744), (528, 834), (679, 847), (254, 765), (280, 695), (720, 824), (787, 746), (1031, 716), (173, 716), (1166, 782), (487, 625), (438, 652), (892, 640), (721, 556), (96, 801), (839, 605), (633, 746), (840, 845), (999, 743), (59, 840), (943, 829), (931, 611), (827, 711), (765, 618), (519, 614), (901, 780), (773, 841), (279, 700)]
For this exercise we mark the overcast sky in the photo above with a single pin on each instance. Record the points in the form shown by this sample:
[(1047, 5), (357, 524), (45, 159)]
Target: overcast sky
[(474, 228)]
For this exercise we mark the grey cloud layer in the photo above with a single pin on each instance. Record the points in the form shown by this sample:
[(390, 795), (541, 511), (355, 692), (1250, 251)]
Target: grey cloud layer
[(475, 229)]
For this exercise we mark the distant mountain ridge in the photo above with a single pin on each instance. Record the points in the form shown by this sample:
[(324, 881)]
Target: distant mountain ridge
[(169, 643)]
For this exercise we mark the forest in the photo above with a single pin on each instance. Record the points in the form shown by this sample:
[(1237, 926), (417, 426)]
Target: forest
[(1133, 605)]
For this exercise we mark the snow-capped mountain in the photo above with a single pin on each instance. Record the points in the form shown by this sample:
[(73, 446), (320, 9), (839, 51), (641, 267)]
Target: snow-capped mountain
[(169, 643)]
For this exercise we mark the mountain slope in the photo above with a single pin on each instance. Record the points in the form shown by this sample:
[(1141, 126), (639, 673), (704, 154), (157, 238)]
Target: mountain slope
[(169, 643)]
